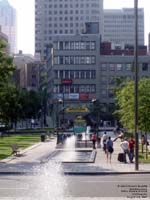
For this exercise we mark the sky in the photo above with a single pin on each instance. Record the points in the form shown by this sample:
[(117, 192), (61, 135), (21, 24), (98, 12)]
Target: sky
[(25, 23)]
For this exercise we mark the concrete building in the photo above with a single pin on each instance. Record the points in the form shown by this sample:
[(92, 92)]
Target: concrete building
[(149, 43), (65, 17), (8, 24), (108, 48), (78, 73), (112, 67), (27, 72), (73, 74), (119, 26)]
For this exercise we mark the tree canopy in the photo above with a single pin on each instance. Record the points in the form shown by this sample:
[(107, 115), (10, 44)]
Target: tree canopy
[(6, 64), (125, 105)]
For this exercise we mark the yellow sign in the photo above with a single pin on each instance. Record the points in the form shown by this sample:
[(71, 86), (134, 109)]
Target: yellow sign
[(77, 110)]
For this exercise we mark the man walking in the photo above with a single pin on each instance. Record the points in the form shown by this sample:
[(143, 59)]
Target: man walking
[(104, 138), (125, 146), (131, 147)]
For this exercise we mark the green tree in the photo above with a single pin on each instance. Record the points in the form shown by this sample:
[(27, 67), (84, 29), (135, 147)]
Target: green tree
[(125, 105), (6, 64), (10, 106)]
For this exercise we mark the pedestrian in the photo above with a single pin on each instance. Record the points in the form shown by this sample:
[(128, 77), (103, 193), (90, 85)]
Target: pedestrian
[(104, 139), (131, 146), (121, 135), (109, 148), (125, 146), (94, 138), (99, 141), (143, 141)]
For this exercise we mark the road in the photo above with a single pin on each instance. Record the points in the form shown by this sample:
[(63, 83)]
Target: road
[(51, 187)]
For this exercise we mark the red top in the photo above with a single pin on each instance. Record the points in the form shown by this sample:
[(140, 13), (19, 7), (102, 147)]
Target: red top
[(94, 137), (131, 144)]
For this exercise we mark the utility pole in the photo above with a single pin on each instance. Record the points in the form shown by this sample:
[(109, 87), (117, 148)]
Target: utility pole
[(136, 85)]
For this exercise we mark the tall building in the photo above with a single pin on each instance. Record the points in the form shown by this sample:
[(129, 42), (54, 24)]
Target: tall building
[(8, 23), (149, 43), (65, 17), (119, 26)]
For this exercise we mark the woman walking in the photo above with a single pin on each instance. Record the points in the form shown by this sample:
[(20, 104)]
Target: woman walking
[(109, 148)]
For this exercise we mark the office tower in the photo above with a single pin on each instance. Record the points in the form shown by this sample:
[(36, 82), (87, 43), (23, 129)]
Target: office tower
[(8, 23), (65, 17), (119, 26)]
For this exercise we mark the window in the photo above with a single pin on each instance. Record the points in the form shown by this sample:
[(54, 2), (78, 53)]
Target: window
[(67, 60), (128, 66), (93, 60), (82, 74), (61, 74), (93, 74), (119, 67), (76, 74), (56, 74), (87, 74), (110, 93), (66, 74), (104, 93), (112, 67), (104, 67), (144, 66), (72, 74), (112, 80), (61, 60)]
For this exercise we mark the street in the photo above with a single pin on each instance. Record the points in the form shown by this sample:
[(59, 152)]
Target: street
[(74, 187)]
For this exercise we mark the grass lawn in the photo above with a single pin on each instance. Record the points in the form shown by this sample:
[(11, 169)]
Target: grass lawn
[(22, 140)]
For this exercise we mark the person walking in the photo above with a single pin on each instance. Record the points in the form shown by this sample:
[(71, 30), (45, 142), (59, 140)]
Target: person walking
[(109, 148), (94, 138), (125, 146), (104, 139), (131, 147)]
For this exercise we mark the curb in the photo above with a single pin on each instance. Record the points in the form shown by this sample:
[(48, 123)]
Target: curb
[(78, 173), (104, 173)]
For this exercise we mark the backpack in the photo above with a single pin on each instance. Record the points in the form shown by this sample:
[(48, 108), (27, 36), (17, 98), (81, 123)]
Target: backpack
[(110, 149)]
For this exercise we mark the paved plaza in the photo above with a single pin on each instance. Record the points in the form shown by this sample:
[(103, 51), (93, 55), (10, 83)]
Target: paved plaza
[(40, 153)]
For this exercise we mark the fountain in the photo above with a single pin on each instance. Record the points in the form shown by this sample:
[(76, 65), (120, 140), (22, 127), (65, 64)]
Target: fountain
[(49, 182)]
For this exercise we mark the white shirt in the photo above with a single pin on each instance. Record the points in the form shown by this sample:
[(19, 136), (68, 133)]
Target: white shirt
[(125, 145), (104, 137)]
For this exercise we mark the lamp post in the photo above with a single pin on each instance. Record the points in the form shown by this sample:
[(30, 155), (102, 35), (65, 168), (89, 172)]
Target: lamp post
[(136, 83), (57, 119)]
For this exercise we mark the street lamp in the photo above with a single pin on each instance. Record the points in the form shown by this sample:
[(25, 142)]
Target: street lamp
[(57, 119), (136, 83)]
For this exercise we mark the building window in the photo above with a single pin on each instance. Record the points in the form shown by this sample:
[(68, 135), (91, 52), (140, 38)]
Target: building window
[(76, 74), (110, 93), (112, 67), (87, 74), (112, 80), (119, 67), (104, 67), (128, 67), (93, 60), (93, 74), (104, 93), (144, 66)]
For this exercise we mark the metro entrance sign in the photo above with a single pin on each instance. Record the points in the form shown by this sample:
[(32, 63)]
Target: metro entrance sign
[(77, 110)]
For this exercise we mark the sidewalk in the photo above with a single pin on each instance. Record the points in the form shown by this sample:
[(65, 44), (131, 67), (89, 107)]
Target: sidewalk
[(35, 155)]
